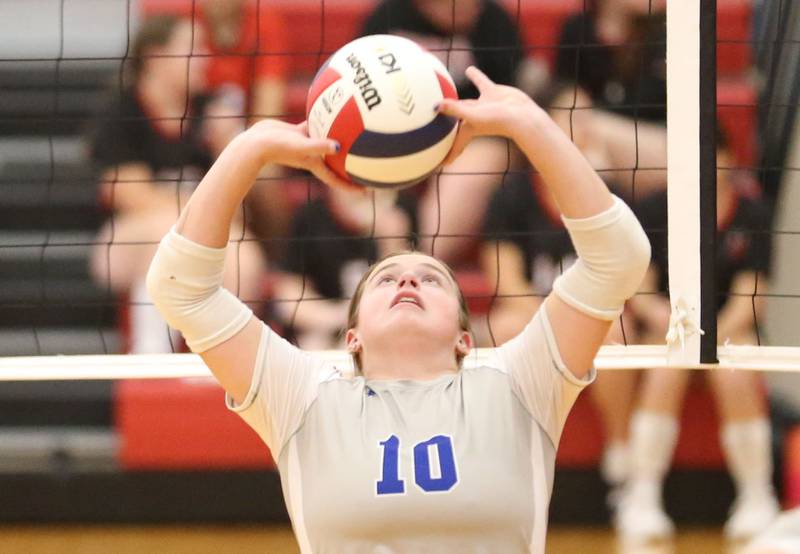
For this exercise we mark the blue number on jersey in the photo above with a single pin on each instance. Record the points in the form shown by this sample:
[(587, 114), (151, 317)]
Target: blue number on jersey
[(447, 465), (391, 483)]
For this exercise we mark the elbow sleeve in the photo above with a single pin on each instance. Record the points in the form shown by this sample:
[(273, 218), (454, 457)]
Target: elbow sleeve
[(185, 284), (613, 255)]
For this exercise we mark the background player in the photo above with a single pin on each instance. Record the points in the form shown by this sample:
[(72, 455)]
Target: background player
[(151, 148), (334, 239), (616, 51), (526, 248), (480, 33), (742, 262), (247, 73)]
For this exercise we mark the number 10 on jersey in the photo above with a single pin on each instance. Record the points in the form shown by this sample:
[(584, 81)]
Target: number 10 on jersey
[(445, 479)]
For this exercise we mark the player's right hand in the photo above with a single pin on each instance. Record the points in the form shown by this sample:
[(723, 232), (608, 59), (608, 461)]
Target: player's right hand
[(289, 145)]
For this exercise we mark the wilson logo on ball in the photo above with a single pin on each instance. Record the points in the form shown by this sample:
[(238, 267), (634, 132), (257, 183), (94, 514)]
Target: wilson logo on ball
[(368, 93), (376, 97)]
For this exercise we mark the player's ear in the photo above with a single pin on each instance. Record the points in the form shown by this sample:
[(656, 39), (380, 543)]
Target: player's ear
[(464, 344), (352, 341)]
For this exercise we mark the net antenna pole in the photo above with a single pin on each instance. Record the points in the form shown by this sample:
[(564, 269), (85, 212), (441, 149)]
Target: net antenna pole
[(691, 169), (708, 180)]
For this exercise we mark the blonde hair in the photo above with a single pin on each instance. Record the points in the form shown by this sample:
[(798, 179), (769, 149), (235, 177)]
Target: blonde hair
[(355, 301)]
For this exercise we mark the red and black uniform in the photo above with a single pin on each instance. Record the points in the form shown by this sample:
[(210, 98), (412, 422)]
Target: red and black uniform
[(493, 44), (628, 79), (518, 215), (743, 240), (260, 51), (127, 133)]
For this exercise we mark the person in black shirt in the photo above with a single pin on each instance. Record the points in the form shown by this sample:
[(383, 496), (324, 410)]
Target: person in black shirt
[(616, 51), (473, 32), (526, 246), (151, 147), (462, 33), (334, 239), (630, 156), (742, 266)]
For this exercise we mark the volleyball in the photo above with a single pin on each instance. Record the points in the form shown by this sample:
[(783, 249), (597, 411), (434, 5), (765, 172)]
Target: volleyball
[(376, 97)]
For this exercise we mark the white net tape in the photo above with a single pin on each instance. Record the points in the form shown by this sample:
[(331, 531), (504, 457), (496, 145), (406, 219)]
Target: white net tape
[(163, 366)]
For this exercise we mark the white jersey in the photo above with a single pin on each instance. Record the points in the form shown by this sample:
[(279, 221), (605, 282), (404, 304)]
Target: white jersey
[(462, 463)]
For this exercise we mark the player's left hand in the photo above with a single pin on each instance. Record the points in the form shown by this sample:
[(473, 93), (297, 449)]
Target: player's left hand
[(496, 112)]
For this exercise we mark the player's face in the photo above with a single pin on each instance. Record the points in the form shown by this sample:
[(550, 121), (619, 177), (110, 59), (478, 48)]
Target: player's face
[(411, 293)]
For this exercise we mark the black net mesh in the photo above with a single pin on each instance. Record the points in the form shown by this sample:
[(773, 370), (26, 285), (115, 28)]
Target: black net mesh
[(85, 151)]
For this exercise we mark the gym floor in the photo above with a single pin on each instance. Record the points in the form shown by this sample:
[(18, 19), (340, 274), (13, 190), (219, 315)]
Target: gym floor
[(167, 539)]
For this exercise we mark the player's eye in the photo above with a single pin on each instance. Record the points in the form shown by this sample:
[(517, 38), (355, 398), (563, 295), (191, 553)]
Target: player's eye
[(385, 279), (431, 278)]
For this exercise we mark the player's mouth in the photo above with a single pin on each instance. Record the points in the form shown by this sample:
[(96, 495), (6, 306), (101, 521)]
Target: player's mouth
[(407, 298)]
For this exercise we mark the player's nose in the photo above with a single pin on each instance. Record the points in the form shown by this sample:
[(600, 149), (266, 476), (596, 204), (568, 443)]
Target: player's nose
[(408, 278)]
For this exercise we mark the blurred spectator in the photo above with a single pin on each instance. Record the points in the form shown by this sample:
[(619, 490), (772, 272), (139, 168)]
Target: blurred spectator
[(462, 33), (742, 263), (151, 150), (247, 70), (247, 45), (777, 72), (776, 26), (616, 51), (630, 155), (526, 248), (334, 240)]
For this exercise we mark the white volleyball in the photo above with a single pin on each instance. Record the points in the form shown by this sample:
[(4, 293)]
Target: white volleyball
[(376, 96)]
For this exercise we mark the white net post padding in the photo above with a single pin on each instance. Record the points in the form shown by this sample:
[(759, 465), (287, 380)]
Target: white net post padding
[(683, 169)]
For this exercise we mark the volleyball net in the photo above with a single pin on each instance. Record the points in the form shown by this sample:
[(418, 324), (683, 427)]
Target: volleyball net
[(67, 310)]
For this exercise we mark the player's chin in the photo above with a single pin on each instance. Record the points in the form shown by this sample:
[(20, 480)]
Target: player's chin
[(418, 324), (400, 315)]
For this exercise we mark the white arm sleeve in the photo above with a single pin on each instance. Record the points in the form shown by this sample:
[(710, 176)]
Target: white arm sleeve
[(284, 385), (613, 255), (185, 283), (539, 377)]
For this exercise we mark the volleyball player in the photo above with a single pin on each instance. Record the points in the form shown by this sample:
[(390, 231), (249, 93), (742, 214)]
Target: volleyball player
[(616, 51), (414, 454), (151, 149)]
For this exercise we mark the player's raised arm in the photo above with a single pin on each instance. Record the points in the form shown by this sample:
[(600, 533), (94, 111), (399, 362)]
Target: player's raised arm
[(185, 278), (613, 251)]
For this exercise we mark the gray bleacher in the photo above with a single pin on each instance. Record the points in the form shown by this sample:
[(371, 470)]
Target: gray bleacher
[(57, 61)]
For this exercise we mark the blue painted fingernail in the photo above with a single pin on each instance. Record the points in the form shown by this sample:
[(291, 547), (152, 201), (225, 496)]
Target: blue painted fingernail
[(336, 146), (436, 106)]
